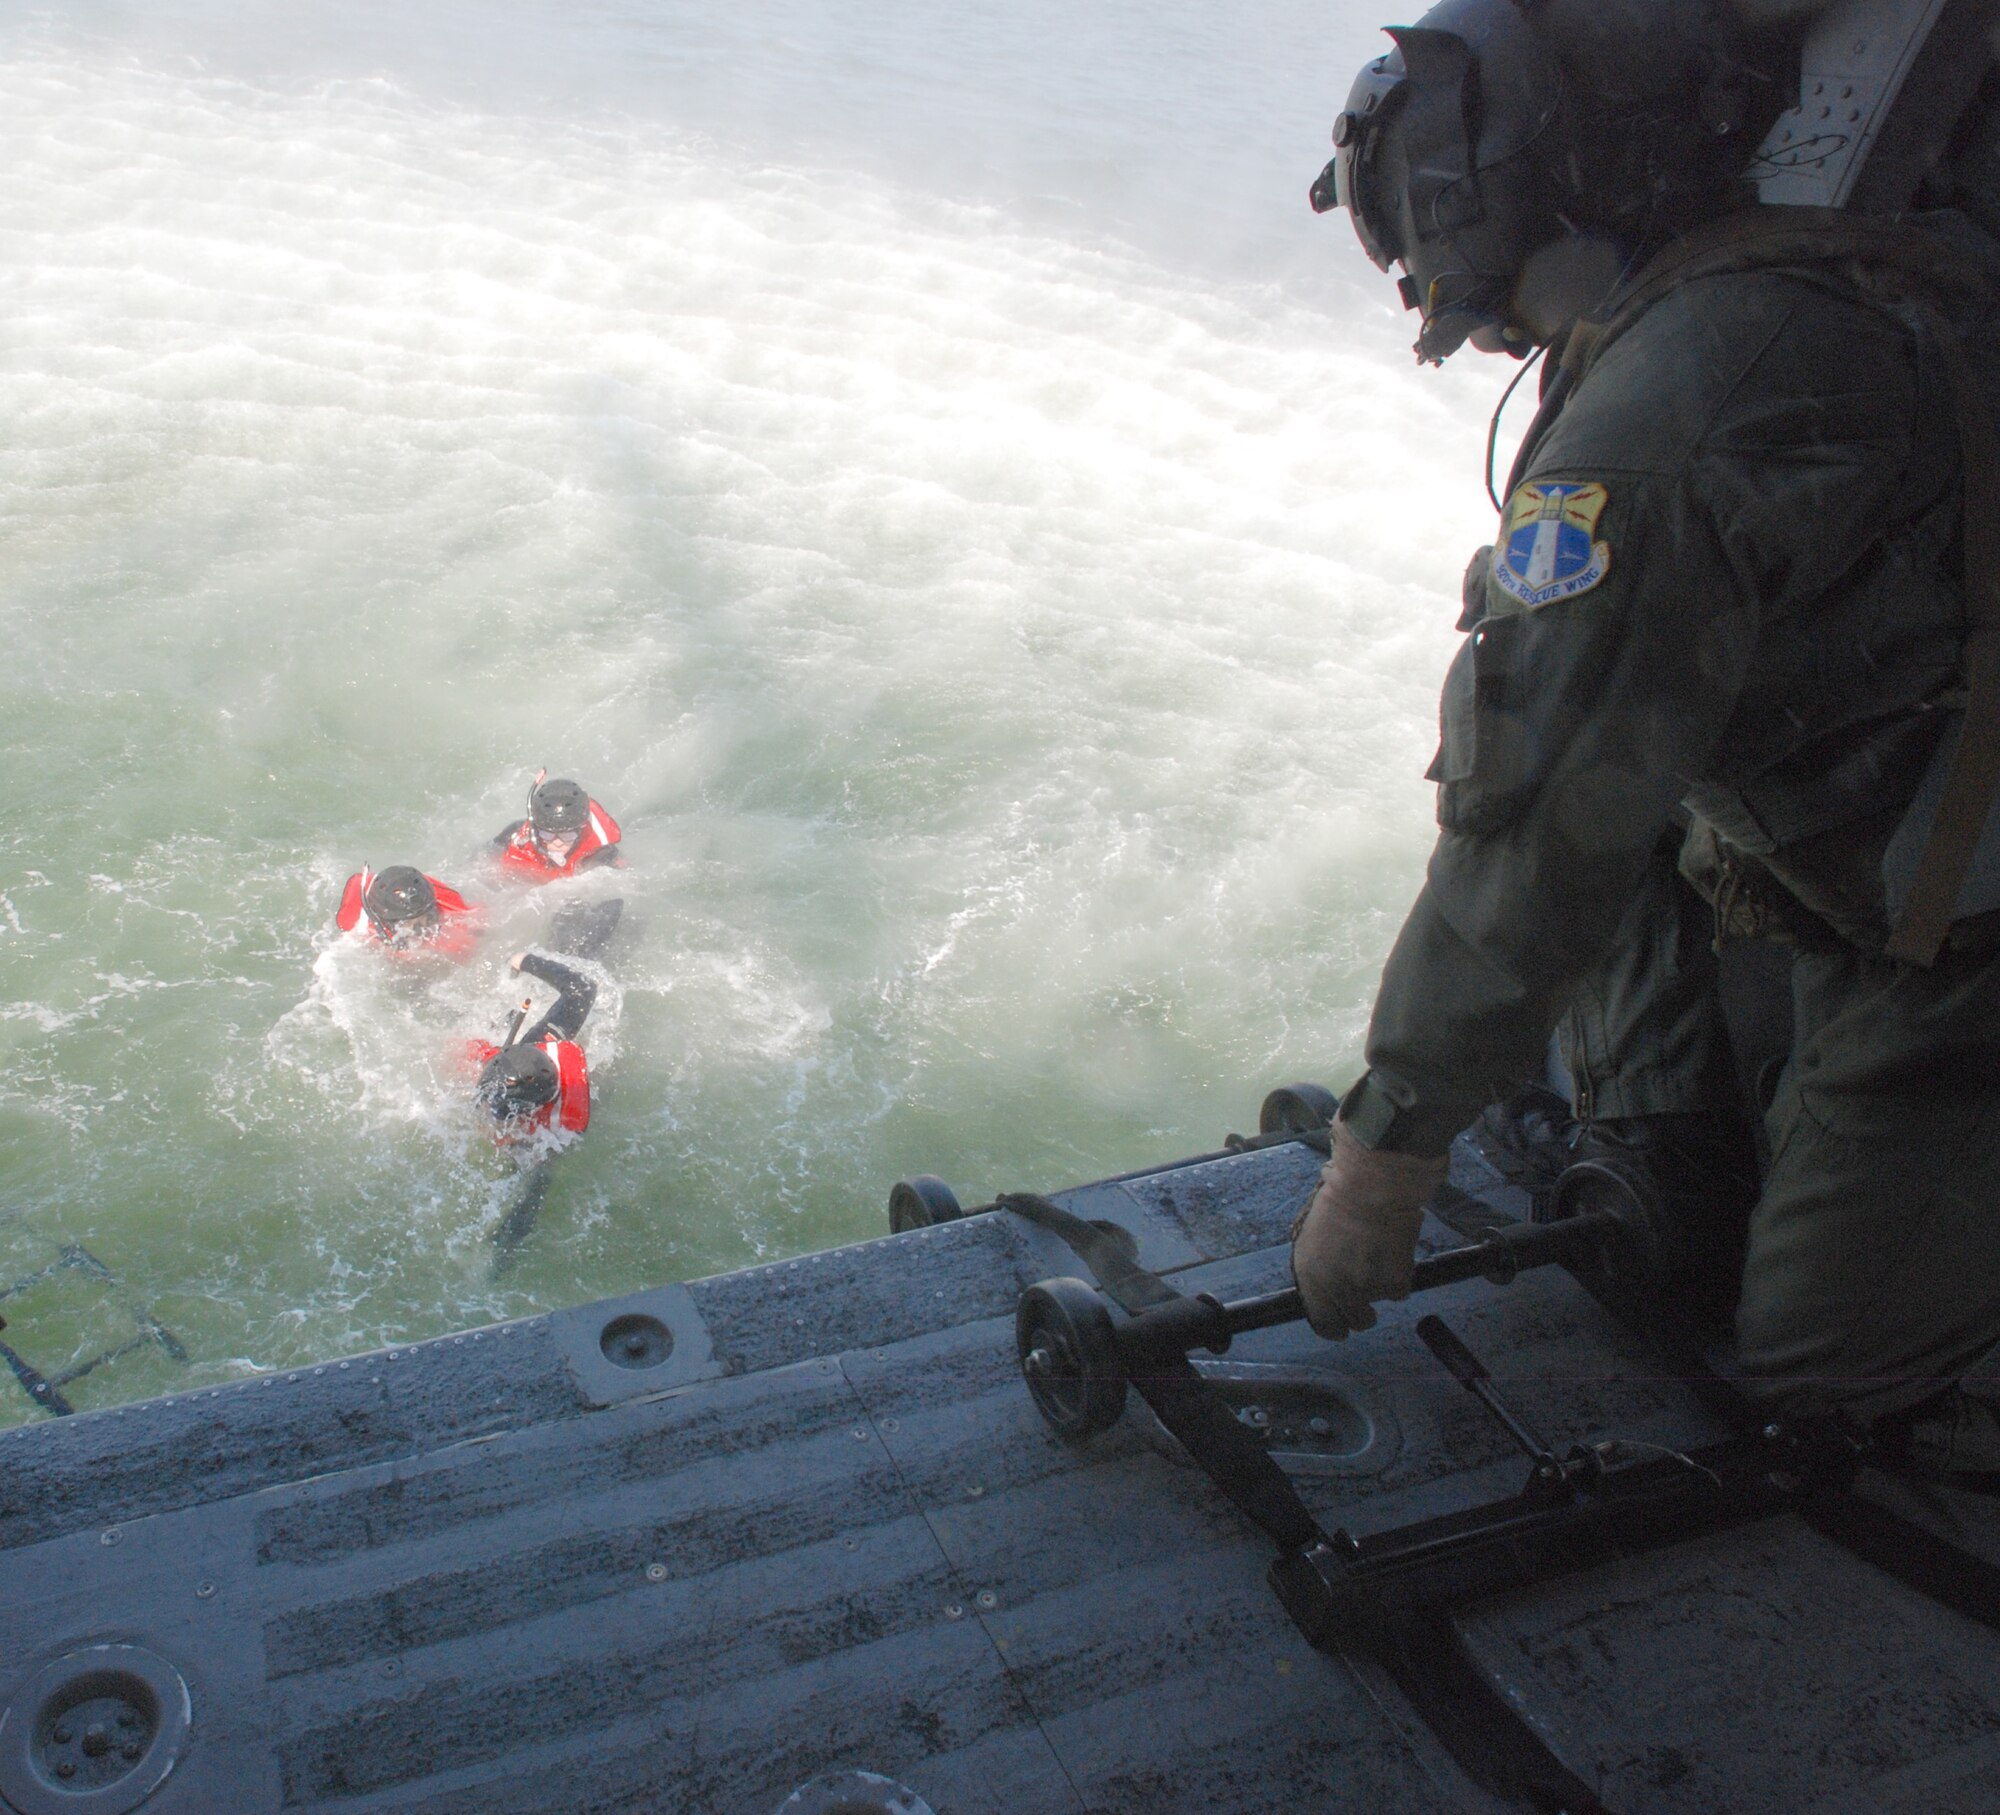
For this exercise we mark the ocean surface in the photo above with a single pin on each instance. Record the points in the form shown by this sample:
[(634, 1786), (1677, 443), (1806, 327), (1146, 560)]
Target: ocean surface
[(924, 469)]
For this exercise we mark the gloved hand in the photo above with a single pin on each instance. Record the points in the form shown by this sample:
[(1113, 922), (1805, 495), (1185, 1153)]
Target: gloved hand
[(1357, 1240)]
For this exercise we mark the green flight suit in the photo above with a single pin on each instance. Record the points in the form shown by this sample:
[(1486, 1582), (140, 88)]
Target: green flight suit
[(1729, 581)]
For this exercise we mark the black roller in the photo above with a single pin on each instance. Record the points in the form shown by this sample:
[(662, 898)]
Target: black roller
[(1645, 1258), (1076, 1358), (1297, 1109), (917, 1203), (1069, 1357)]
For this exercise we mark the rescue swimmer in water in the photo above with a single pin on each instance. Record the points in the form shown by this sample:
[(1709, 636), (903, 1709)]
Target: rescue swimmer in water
[(563, 833), (533, 1086), (537, 1082), (408, 913)]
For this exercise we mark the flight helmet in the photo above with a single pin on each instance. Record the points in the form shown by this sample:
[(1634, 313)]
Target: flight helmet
[(400, 902), (1517, 156), (558, 812), (516, 1081)]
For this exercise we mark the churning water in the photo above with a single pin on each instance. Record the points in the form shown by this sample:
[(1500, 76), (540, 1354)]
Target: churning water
[(922, 468)]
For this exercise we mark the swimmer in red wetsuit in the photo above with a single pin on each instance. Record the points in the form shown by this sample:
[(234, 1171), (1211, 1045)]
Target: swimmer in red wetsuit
[(538, 1080), (408, 913), (564, 834)]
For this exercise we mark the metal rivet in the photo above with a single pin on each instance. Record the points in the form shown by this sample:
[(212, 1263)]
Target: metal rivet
[(202, 1590), (113, 1536), (850, 1543), (61, 1736), (66, 1769), (392, 1668), (860, 1436), (954, 1611), (973, 1492), (988, 1599), (890, 1424), (656, 1572)]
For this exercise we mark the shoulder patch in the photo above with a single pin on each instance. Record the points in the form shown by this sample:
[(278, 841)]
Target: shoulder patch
[(1545, 551)]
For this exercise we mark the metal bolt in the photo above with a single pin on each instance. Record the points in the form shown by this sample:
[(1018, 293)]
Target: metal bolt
[(1037, 1361), (635, 1344), (131, 1751), (96, 1742), (61, 1736), (66, 1769), (1772, 1432), (988, 1599), (128, 1717), (656, 1572)]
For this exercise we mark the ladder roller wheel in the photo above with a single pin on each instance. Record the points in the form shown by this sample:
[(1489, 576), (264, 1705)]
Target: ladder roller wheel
[(1297, 1109), (1070, 1358), (919, 1202)]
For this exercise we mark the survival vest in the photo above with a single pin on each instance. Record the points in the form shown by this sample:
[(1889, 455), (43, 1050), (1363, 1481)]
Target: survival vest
[(522, 854), (454, 936), (1943, 864), (570, 1110)]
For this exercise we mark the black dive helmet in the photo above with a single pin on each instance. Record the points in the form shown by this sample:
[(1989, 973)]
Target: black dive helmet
[(558, 809), (400, 900), (1517, 156), (517, 1080)]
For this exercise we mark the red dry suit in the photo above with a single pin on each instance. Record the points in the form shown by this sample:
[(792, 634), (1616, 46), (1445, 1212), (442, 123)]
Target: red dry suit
[(454, 936), (569, 1111), (597, 847)]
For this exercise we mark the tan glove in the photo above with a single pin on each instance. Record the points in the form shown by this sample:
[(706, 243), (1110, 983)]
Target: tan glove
[(1357, 1240)]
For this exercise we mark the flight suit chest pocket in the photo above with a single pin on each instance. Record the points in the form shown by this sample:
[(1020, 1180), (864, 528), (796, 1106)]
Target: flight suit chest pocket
[(1484, 767)]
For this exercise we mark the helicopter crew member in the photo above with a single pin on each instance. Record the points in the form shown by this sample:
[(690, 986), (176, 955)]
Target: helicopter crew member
[(538, 1080), (565, 833), (1740, 582), (408, 913)]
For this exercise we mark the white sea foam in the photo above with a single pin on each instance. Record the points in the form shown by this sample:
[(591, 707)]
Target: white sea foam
[(1009, 640)]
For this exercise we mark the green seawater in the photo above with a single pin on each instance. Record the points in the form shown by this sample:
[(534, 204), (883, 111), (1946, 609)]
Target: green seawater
[(1013, 676)]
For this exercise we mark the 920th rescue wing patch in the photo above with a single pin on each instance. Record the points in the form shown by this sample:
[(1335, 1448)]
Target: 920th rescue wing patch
[(1545, 551)]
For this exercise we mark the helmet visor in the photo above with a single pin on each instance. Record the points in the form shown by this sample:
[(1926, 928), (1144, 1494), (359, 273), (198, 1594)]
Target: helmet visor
[(1361, 181)]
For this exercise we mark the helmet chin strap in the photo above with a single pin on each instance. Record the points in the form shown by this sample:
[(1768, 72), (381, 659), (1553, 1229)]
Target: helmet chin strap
[(1450, 320)]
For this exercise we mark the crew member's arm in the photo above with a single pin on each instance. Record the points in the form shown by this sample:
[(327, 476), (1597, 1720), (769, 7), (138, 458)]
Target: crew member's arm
[(572, 1005), (605, 857), (506, 835), (1707, 480)]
